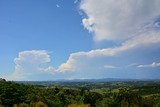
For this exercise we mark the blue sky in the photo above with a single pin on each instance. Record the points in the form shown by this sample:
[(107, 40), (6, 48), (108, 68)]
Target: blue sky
[(78, 39)]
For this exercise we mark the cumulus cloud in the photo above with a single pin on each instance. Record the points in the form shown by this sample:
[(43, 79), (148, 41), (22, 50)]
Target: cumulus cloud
[(30, 62), (68, 66), (37, 61), (34, 62), (33, 56), (153, 65), (143, 40), (117, 20)]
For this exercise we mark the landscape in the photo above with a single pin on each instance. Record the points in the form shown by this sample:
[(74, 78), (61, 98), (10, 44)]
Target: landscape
[(81, 93), (79, 53)]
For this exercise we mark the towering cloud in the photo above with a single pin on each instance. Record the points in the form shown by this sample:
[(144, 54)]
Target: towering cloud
[(29, 62), (117, 20)]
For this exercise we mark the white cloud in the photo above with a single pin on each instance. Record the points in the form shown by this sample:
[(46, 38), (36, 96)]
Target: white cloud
[(143, 40), (38, 61), (68, 66), (31, 62), (33, 56), (117, 20), (35, 62), (153, 65), (88, 24), (109, 66), (108, 20), (18, 74)]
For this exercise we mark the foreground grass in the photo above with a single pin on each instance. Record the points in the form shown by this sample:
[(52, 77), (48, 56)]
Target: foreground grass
[(37, 104), (76, 105), (41, 104)]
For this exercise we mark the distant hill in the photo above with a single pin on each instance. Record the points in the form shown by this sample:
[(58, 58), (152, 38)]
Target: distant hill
[(106, 80), (89, 80)]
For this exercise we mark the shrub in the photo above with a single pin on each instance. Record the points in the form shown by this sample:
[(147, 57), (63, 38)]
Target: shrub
[(40, 104)]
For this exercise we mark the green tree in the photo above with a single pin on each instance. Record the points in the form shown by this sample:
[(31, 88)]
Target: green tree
[(128, 97), (91, 98), (11, 93)]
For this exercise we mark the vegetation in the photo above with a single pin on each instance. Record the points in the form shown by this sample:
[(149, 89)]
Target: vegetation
[(85, 94)]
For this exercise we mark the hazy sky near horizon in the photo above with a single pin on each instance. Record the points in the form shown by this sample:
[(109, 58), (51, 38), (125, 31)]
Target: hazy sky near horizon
[(79, 39)]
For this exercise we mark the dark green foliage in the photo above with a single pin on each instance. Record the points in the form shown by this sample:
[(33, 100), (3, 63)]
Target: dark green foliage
[(151, 101), (11, 93), (130, 97), (134, 95), (2, 80), (91, 98)]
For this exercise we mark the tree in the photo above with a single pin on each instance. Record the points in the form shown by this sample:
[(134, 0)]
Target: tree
[(91, 98), (128, 97), (11, 93), (2, 80)]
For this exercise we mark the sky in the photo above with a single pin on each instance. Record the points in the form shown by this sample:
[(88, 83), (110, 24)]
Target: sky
[(79, 39)]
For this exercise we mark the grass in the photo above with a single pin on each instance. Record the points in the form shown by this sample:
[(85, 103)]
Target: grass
[(77, 105)]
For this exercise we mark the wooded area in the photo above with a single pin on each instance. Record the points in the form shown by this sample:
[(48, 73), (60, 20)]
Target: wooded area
[(85, 94)]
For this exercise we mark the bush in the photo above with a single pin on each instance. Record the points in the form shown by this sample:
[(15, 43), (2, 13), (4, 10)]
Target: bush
[(21, 105), (40, 104), (82, 105)]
